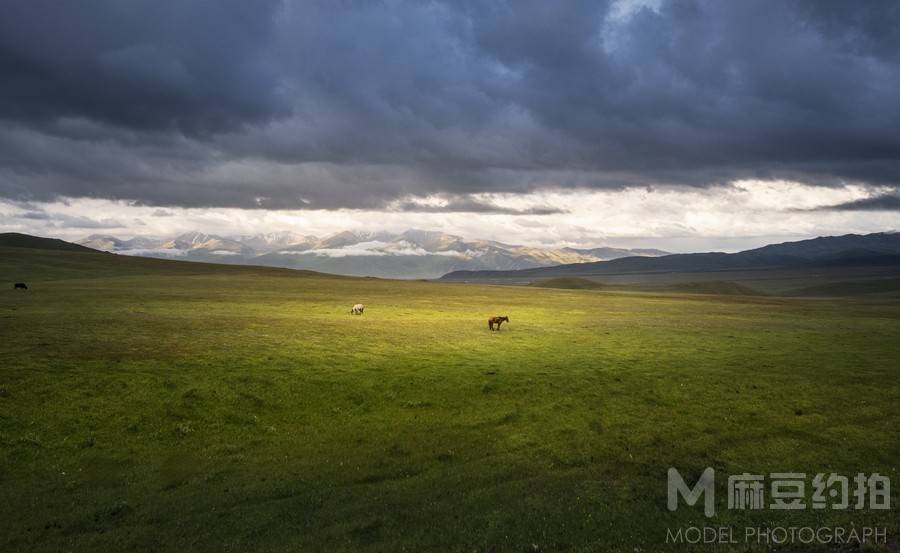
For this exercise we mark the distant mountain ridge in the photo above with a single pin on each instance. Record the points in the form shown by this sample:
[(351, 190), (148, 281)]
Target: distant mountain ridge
[(884, 243), (851, 249), (410, 254), (606, 253)]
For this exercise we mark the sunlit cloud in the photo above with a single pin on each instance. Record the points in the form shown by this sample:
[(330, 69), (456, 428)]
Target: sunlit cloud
[(744, 214)]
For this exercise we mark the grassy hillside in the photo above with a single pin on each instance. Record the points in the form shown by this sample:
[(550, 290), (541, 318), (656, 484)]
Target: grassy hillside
[(837, 289), (703, 287), (773, 269), (160, 406), (44, 265), (570, 283), (16, 240), (721, 287)]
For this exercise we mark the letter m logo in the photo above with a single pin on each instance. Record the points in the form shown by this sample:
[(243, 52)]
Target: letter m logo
[(705, 486)]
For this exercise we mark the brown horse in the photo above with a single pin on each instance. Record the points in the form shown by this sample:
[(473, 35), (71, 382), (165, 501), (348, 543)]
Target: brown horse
[(498, 320)]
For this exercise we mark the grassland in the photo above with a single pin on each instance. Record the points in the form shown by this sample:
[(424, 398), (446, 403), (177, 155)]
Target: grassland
[(568, 283), (154, 406)]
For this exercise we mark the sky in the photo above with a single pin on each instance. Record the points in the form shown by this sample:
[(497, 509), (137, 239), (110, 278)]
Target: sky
[(685, 125)]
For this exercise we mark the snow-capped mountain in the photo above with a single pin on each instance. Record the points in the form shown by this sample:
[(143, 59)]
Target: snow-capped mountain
[(271, 241), (411, 254), (193, 241), (111, 243), (606, 253)]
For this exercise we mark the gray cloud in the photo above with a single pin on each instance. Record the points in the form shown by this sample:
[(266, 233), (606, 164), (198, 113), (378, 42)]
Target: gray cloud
[(36, 215), (883, 202), (356, 104), (64, 221), (470, 205), (82, 222), (198, 67)]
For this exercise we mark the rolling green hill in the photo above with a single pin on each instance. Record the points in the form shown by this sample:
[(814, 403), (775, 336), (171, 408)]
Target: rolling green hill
[(570, 283), (721, 287), (17, 240), (855, 288), (705, 287), (826, 259), (61, 263)]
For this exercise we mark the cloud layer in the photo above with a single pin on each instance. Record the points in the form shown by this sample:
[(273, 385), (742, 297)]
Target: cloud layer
[(743, 215), (326, 105)]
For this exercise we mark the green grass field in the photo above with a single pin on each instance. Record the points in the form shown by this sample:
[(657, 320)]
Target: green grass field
[(158, 406)]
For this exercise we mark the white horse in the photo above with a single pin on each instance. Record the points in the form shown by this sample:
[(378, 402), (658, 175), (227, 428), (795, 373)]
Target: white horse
[(357, 309)]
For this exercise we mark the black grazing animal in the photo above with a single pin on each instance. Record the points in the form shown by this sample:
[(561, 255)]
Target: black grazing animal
[(497, 321), (20, 285)]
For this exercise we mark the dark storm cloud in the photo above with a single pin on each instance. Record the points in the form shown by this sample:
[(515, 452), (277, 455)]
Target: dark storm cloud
[(195, 66), (883, 202), (329, 104)]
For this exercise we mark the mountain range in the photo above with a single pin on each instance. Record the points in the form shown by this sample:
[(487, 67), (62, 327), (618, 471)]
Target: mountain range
[(410, 254), (831, 266), (776, 267)]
